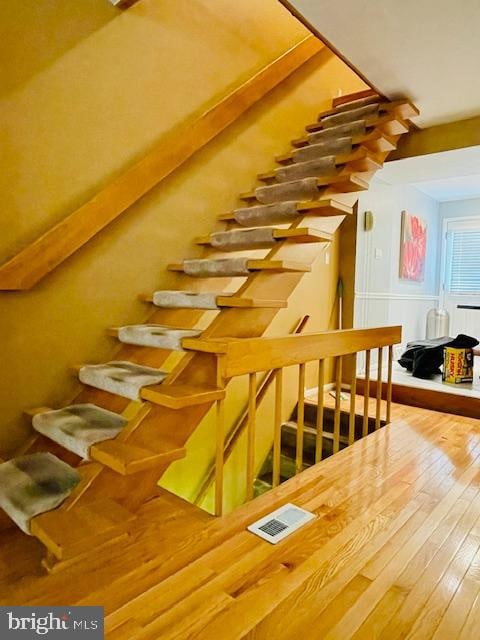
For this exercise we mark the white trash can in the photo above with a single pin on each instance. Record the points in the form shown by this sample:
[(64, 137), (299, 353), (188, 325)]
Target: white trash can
[(438, 324)]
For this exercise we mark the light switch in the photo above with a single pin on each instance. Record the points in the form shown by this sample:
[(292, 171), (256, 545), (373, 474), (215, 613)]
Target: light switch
[(378, 254)]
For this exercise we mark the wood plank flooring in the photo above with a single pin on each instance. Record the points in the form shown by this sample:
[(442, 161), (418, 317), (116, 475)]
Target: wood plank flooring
[(393, 553)]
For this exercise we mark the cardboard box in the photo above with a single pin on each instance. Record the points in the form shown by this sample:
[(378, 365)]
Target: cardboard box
[(457, 365)]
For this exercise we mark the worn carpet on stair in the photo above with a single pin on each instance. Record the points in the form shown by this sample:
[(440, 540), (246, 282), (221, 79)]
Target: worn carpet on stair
[(350, 116), (243, 239), (79, 426), (120, 377), (34, 484), (305, 189), (313, 168), (216, 268), (335, 146), (356, 104), (277, 213), (352, 129), (187, 299), (156, 335)]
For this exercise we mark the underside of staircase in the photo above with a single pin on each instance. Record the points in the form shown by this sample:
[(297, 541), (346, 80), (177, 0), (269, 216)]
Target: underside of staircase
[(90, 466)]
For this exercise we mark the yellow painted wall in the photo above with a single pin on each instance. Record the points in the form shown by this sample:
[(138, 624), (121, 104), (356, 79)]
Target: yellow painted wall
[(95, 90), (443, 137)]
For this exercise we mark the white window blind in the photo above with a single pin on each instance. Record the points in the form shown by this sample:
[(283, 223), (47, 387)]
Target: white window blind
[(463, 266)]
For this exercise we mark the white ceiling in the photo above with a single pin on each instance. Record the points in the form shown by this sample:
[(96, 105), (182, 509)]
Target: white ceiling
[(427, 50), (461, 188), (450, 175)]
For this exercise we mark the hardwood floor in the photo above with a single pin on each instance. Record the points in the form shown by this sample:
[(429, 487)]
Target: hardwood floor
[(393, 553)]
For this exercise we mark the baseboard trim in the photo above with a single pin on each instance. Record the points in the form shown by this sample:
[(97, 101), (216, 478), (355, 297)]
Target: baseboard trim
[(441, 401), (380, 295)]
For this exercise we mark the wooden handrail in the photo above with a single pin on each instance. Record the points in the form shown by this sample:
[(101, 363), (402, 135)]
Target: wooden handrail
[(46, 253), (241, 356), (239, 427)]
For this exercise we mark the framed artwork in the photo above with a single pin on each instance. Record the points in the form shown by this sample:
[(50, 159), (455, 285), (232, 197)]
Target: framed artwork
[(413, 247)]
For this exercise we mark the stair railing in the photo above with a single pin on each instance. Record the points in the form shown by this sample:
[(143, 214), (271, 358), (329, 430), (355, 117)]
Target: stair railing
[(239, 427), (238, 357)]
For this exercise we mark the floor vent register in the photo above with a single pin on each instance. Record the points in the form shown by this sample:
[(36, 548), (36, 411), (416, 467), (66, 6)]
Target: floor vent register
[(281, 523)]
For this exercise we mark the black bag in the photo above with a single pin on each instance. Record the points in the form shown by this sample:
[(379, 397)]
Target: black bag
[(423, 358)]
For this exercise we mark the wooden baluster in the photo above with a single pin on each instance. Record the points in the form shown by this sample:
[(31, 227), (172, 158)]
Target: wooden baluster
[(220, 444), (366, 393), (338, 393), (389, 385), (277, 434), (353, 394), (319, 439), (252, 402), (379, 390), (300, 418)]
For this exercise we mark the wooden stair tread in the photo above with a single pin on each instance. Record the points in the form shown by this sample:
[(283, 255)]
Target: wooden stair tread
[(395, 120), (34, 410), (88, 470), (177, 396), (209, 345), (377, 141), (405, 108), (68, 533), (250, 303), (393, 126), (322, 181), (321, 207), (278, 265), (324, 207), (262, 265), (356, 95), (300, 235), (126, 459), (384, 142), (358, 154), (237, 302), (382, 104), (343, 182), (292, 426), (303, 235)]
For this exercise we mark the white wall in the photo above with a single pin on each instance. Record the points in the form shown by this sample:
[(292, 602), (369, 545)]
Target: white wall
[(461, 320), (381, 297), (460, 208)]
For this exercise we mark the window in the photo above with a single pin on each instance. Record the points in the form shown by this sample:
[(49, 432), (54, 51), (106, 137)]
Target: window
[(463, 261)]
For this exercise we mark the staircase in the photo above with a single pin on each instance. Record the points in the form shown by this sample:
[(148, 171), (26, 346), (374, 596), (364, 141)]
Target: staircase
[(90, 466), (289, 434)]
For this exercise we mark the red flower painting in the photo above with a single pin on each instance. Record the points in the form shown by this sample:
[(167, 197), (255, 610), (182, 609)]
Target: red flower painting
[(413, 247)]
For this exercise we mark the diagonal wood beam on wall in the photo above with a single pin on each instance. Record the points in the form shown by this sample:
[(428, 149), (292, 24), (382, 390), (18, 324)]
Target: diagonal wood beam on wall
[(442, 137), (46, 253)]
